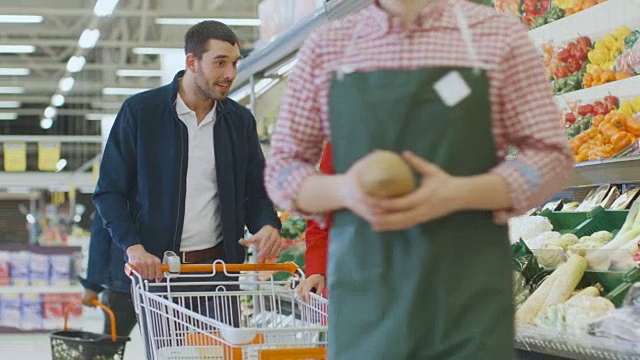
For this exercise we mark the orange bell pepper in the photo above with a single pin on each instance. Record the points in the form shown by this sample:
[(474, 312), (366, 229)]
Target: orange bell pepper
[(608, 129), (633, 126), (621, 140), (597, 120), (608, 76), (587, 81), (622, 76)]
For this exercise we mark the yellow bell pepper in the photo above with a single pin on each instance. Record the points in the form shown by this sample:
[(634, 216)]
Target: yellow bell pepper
[(627, 108), (565, 4), (591, 68), (636, 104), (609, 65), (622, 32), (598, 57)]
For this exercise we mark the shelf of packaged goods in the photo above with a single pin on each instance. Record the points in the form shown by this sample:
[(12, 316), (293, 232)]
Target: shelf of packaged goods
[(623, 89), (71, 289), (580, 346), (607, 171), (595, 21)]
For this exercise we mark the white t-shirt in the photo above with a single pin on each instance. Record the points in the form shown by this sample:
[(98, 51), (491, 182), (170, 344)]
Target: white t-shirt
[(202, 224)]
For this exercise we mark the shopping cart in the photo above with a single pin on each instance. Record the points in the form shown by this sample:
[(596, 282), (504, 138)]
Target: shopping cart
[(249, 315), (82, 345)]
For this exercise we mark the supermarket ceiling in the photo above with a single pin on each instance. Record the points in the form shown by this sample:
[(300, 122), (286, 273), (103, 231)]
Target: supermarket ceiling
[(46, 43)]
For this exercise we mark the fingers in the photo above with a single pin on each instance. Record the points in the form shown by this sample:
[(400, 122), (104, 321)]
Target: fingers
[(396, 221), (422, 166), (249, 241), (148, 266), (320, 288), (406, 202), (269, 245)]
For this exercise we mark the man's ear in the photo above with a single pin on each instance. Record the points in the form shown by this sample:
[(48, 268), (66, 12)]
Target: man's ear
[(191, 63)]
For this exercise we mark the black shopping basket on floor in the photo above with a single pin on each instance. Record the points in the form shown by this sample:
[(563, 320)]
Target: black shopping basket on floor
[(82, 345)]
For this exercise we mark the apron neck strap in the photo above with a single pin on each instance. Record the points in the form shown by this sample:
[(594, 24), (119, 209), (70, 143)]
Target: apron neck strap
[(465, 32)]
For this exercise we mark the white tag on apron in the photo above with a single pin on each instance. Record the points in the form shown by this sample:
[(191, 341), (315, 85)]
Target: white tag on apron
[(452, 88)]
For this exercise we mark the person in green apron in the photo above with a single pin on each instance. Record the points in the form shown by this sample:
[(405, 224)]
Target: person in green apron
[(450, 84)]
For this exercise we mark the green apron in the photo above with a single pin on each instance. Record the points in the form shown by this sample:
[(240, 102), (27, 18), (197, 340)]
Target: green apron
[(440, 290)]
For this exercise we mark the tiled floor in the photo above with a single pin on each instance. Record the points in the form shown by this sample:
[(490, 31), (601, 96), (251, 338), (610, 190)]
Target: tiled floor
[(38, 346)]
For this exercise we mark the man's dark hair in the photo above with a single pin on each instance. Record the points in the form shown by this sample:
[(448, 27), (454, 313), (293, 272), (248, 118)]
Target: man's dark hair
[(196, 39)]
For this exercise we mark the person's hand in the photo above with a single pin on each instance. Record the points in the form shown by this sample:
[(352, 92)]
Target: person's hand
[(315, 281), (89, 297), (432, 200), (147, 265), (268, 241)]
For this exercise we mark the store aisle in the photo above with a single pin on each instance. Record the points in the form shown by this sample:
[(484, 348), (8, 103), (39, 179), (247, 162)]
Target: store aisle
[(38, 346)]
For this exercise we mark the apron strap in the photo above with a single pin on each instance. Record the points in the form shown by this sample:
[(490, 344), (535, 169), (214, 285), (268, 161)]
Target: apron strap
[(465, 32)]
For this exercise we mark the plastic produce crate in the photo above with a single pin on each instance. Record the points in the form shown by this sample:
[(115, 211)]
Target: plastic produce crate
[(606, 220), (568, 222)]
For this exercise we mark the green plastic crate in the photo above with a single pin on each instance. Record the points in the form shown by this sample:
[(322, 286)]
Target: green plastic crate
[(616, 284), (607, 220), (568, 222)]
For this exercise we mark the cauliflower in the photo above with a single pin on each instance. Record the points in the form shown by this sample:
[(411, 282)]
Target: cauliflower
[(549, 257), (539, 241), (601, 237), (527, 227)]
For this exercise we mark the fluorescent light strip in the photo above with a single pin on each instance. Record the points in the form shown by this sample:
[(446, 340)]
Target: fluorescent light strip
[(155, 51), (89, 38), (11, 90), (10, 104), (122, 91), (138, 73), (104, 7), (20, 19), (193, 21), (8, 116), (66, 84), (98, 117), (14, 71), (17, 49), (57, 100), (76, 63)]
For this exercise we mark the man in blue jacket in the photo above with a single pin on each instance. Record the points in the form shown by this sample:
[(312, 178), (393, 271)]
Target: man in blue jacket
[(183, 169), (105, 276)]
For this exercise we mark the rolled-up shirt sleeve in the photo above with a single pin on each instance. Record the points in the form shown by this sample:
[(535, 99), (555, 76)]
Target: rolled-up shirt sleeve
[(529, 119), (296, 144)]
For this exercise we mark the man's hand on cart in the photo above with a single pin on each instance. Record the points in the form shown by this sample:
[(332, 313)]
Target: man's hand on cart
[(268, 241), (313, 282), (147, 265), (89, 297)]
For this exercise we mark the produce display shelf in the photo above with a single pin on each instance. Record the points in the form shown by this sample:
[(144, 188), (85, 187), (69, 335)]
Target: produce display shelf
[(72, 289), (584, 347), (598, 172), (623, 89), (593, 21)]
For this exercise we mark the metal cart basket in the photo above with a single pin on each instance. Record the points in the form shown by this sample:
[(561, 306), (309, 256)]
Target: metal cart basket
[(193, 315)]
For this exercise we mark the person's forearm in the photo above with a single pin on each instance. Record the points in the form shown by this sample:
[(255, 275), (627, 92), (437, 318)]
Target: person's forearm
[(320, 193), (483, 192)]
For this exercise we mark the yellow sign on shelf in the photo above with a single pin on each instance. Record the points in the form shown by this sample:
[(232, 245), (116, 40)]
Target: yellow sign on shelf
[(48, 156), (15, 156)]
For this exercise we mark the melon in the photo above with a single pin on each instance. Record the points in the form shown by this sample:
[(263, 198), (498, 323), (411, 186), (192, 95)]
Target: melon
[(386, 174)]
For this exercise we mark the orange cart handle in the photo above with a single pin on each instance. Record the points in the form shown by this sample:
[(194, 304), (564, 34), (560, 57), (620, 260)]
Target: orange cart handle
[(290, 354), (112, 317), (289, 267)]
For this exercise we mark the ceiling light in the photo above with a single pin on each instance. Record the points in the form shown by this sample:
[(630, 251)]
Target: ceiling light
[(66, 84), (154, 51), (46, 123), (89, 38), (9, 104), (193, 21), (122, 91), (50, 112), (8, 116), (57, 100), (104, 7), (61, 164), (11, 90), (20, 19), (98, 117), (17, 49), (138, 73), (14, 71), (76, 63)]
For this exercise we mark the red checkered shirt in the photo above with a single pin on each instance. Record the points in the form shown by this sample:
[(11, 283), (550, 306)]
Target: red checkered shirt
[(524, 113)]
